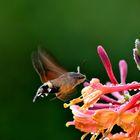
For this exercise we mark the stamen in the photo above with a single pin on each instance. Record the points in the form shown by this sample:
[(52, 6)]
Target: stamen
[(84, 135), (73, 102), (108, 99)]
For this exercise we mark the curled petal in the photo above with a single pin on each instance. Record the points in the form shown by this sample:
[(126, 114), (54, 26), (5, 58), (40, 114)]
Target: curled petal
[(134, 99), (83, 120), (109, 100), (105, 118), (103, 106), (123, 71), (106, 62), (117, 95)]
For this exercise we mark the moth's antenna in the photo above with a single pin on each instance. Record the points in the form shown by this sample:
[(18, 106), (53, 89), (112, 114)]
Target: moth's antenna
[(78, 69), (81, 64)]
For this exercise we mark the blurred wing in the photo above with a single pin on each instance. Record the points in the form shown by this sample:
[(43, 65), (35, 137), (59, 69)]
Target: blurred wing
[(46, 66)]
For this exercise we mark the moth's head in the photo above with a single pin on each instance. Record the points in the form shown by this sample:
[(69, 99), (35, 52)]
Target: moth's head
[(45, 89), (77, 76), (42, 91)]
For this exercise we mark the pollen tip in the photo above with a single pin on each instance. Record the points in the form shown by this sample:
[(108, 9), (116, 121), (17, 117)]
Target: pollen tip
[(66, 105), (67, 124)]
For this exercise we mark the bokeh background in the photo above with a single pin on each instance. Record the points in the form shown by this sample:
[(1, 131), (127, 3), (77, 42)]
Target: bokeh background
[(71, 30)]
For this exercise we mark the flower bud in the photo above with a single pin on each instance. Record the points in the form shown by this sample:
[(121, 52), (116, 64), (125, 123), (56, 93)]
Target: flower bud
[(136, 53)]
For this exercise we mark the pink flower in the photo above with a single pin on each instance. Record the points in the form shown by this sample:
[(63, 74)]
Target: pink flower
[(100, 112)]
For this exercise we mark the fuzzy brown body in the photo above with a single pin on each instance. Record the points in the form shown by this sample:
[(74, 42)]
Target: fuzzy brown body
[(66, 84), (55, 78)]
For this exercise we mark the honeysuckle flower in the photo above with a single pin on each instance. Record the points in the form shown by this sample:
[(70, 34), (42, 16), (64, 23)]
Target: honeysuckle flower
[(99, 112)]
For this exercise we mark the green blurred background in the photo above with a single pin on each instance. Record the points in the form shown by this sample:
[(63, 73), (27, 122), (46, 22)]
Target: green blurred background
[(71, 30)]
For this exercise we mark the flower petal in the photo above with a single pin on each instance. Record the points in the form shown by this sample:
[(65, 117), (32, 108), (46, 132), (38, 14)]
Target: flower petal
[(106, 62)]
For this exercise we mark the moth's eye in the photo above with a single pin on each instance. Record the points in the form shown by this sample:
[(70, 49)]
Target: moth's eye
[(81, 77)]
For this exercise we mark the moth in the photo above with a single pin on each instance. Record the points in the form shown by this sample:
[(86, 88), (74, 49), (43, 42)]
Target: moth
[(56, 80)]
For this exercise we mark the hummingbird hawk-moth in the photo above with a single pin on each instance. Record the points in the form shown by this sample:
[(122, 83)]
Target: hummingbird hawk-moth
[(56, 80)]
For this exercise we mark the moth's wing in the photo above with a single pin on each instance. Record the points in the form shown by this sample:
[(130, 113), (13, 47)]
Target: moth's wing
[(46, 65), (52, 68), (38, 66)]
